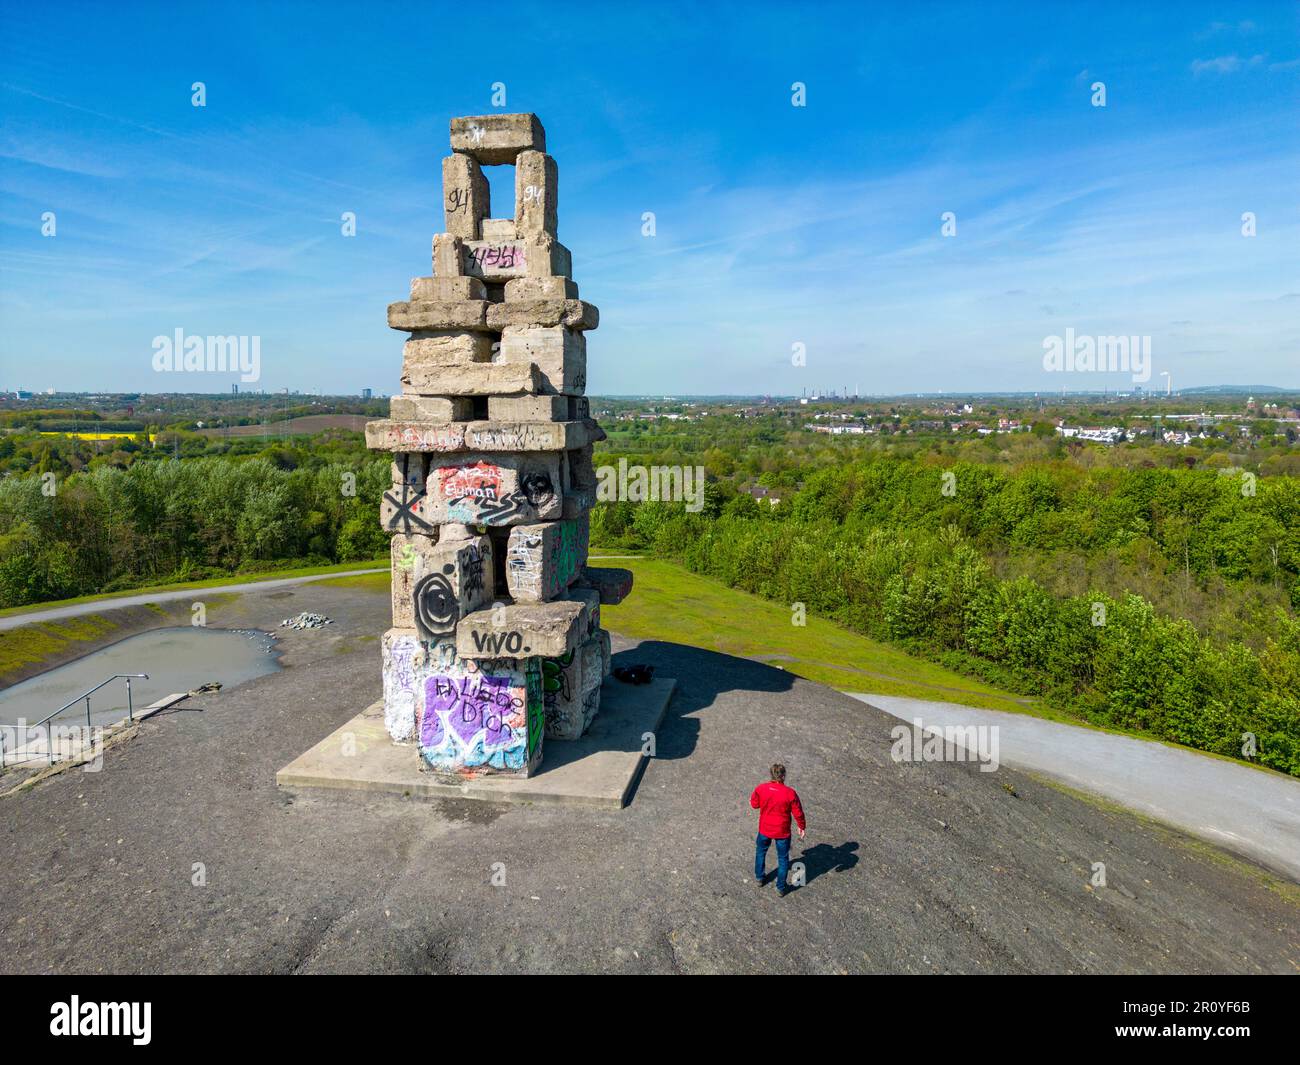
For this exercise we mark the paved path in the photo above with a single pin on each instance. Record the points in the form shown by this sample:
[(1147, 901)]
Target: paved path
[(1252, 812), (910, 868), (97, 605)]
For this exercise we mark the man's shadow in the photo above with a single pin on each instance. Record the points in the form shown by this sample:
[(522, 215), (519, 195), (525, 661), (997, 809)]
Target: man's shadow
[(823, 858)]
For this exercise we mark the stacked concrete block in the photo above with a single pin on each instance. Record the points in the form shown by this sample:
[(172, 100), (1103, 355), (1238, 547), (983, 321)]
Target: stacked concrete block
[(496, 642), (543, 559), (412, 558), (537, 193), (466, 196), (496, 139), (524, 629), (456, 580), (613, 585), (495, 489), (479, 717), (403, 690), (430, 409), (559, 353), (571, 687)]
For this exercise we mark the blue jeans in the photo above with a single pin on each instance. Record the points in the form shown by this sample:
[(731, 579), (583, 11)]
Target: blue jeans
[(782, 859)]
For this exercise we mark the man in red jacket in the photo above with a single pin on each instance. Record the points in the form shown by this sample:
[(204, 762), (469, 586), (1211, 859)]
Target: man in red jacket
[(775, 803)]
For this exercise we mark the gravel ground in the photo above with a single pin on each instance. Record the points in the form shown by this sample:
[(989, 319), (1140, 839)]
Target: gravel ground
[(927, 867)]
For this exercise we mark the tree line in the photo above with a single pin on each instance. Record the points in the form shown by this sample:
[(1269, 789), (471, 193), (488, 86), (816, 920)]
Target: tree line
[(158, 522)]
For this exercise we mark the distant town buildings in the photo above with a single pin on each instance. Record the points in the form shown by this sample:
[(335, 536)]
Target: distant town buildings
[(1111, 434)]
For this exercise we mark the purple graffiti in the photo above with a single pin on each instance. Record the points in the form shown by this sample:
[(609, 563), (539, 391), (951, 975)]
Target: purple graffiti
[(469, 706)]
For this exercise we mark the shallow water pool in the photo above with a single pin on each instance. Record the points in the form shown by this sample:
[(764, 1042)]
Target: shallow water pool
[(176, 659)]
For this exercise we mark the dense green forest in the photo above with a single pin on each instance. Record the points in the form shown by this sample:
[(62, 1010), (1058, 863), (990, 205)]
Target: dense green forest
[(155, 522), (1149, 588)]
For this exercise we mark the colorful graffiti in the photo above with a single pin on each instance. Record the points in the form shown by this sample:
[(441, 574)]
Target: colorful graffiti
[(571, 689), (536, 715), (557, 688), (564, 556), (493, 482), (482, 719), (479, 481)]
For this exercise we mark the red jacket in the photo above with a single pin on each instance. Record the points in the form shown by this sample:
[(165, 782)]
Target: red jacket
[(775, 803)]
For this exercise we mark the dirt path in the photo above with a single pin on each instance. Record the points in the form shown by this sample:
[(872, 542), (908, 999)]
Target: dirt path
[(98, 606)]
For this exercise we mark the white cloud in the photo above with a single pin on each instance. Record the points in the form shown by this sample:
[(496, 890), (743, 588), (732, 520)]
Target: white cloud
[(1224, 64)]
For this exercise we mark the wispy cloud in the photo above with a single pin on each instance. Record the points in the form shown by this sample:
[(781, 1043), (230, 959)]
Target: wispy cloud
[(1225, 64)]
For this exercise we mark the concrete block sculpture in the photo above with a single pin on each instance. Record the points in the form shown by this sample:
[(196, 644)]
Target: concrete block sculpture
[(496, 642)]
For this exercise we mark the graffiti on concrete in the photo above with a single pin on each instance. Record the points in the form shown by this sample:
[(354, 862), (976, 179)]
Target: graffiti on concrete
[(478, 719), (403, 504), (477, 481), (473, 579), (436, 607), (401, 690)]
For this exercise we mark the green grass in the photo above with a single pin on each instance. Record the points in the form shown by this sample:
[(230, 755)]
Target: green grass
[(235, 578), (668, 603), (671, 604), (36, 643), (376, 582)]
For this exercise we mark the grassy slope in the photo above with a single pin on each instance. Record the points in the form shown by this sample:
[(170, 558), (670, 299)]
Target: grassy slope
[(669, 603), (375, 582), (36, 643)]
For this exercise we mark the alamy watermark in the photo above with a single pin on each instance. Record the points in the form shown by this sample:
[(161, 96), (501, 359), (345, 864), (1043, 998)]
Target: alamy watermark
[(21, 743), (948, 743), (179, 353), (1081, 353), (120, 1019), (658, 484)]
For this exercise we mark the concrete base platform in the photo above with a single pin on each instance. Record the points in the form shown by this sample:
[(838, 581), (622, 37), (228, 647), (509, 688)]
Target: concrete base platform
[(601, 769)]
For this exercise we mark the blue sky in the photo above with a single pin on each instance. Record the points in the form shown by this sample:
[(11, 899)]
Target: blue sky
[(775, 225)]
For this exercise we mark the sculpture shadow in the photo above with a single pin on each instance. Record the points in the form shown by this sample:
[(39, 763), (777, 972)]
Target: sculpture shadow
[(701, 677)]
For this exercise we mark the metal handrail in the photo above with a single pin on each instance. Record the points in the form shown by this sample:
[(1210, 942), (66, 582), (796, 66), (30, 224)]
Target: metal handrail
[(130, 709)]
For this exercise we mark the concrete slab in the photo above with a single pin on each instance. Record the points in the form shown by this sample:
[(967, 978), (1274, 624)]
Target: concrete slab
[(601, 769)]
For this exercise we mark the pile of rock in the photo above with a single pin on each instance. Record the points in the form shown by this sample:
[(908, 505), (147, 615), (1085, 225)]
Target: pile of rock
[(306, 620), (496, 639)]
